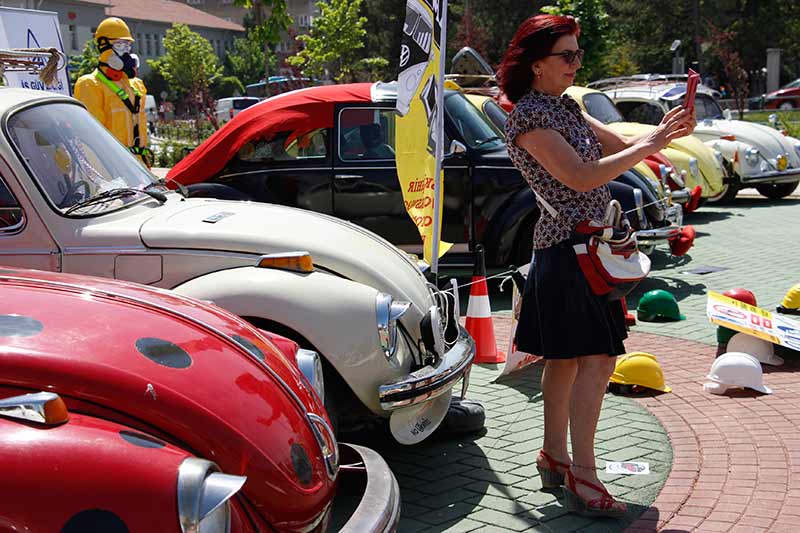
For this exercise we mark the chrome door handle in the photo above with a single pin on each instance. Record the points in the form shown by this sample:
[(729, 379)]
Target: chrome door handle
[(349, 177)]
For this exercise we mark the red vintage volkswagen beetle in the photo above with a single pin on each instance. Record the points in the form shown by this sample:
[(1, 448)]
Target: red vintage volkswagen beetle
[(128, 408)]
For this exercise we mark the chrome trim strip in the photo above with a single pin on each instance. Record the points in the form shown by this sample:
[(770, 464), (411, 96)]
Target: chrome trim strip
[(271, 170), (783, 176), (658, 234), (89, 250), (500, 167), (331, 459), (150, 305), (379, 508), (14, 229), (429, 382), (30, 407)]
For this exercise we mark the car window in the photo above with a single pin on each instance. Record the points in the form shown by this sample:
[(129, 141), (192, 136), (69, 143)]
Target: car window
[(641, 112), (11, 216), (706, 107), (496, 114), (793, 85), (474, 127), (244, 103), (366, 134), (600, 106), (73, 157), (286, 146)]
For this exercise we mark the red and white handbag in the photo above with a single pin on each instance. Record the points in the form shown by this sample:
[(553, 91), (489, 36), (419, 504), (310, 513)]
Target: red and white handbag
[(608, 253)]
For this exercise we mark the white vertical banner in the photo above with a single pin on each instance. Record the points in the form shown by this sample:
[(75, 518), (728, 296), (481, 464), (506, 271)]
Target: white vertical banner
[(26, 28), (420, 128)]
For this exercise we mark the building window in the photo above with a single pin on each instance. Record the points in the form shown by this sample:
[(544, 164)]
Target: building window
[(148, 45), (157, 39), (139, 42), (73, 37), (195, 2)]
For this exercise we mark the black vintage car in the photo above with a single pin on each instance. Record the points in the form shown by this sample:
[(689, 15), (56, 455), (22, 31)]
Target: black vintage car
[(330, 149)]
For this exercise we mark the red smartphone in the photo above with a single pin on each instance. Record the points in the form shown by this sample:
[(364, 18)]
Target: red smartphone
[(691, 89)]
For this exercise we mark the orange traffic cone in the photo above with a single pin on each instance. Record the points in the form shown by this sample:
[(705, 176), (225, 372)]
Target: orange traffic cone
[(479, 316)]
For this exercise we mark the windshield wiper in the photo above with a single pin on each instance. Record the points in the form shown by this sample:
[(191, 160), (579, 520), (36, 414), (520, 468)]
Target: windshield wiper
[(113, 194), (490, 139), (181, 189)]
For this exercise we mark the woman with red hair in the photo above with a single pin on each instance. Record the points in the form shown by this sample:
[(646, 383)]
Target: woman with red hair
[(568, 157)]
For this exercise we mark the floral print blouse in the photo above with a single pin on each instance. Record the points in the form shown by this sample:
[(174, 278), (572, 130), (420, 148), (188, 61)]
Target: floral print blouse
[(562, 114)]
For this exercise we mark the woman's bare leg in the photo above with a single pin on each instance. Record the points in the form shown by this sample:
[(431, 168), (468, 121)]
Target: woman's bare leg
[(557, 385), (584, 410)]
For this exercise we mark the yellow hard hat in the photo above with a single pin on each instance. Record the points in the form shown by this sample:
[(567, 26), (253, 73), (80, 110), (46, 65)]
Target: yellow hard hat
[(113, 28), (791, 301), (639, 368)]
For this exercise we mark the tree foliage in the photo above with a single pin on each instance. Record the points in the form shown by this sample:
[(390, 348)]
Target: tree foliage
[(84, 63), (246, 59), (593, 19), (335, 43), (189, 66), (268, 21)]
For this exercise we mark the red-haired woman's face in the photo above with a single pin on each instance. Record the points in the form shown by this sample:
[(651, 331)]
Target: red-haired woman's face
[(554, 73)]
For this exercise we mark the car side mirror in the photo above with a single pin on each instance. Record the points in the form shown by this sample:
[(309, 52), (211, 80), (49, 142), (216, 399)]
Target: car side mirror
[(727, 114), (456, 147)]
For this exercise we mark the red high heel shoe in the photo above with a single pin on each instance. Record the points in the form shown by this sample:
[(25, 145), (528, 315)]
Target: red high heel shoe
[(604, 506), (551, 477)]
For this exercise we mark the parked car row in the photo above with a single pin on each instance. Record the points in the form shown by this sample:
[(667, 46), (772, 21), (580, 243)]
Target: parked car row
[(327, 326)]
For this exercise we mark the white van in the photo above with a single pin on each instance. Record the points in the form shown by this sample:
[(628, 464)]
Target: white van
[(227, 108)]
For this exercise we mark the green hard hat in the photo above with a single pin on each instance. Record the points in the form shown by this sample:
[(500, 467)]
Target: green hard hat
[(658, 304), (724, 334)]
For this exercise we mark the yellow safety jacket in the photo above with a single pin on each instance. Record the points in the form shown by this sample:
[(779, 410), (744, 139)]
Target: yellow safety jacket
[(114, 104)]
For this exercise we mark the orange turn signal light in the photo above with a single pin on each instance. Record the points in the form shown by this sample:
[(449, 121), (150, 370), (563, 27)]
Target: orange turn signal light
[(293, 261), (55, 412), (728, 137)]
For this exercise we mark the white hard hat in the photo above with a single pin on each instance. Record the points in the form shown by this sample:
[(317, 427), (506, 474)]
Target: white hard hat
[(733, 370), (762, 350)]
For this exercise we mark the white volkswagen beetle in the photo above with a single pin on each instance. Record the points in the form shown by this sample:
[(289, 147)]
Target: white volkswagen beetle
[(72, 199), (759, 156)]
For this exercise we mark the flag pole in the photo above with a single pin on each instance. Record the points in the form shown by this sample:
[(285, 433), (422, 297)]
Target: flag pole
[(437, 178)]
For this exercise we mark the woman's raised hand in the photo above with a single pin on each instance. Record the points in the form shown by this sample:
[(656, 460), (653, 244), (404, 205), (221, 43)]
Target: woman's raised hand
[(678, 122)]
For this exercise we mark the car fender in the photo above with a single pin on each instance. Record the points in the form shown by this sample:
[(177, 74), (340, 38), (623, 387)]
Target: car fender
[(501, 236), (318, 307)]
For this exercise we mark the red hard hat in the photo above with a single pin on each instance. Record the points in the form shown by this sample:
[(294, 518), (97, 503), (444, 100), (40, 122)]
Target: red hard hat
[(743, 295)]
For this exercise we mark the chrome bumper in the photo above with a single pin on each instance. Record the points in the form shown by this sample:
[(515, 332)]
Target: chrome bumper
[(674, 216), (681, 196), (430, 381), (773, 176), (379, 507)]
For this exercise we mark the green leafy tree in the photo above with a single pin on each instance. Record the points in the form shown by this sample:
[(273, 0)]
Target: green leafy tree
[(270, 19), (246, 59), (189, 66), (335, 43), (593, 19), (384, 28), (84, 63)]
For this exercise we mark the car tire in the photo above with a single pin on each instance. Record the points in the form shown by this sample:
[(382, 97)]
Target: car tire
[(727, 195), (786, 106), (776, 191)]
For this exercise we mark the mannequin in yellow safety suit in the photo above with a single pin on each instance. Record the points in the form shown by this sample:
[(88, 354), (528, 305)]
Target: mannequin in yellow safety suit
[(112, 93)]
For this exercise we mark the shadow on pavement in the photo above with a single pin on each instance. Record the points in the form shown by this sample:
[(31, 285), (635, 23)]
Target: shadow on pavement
[(678, 287), (763, 202), (701, 217)]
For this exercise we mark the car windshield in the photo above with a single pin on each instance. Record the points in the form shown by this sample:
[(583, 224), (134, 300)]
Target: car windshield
[(793, 85), (600, 106), (706, 108), (73, 158), (474, 127)]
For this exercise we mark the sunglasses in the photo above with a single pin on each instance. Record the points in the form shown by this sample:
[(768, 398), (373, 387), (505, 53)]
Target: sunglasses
[(122, 46), (570, 55)]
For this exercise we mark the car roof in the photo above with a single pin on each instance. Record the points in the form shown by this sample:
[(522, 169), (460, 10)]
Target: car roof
[(11, 96), (307, 109), (649, 86)]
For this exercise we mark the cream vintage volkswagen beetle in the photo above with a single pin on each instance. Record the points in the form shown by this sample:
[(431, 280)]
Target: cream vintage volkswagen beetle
[(72, 199), (756, 155)]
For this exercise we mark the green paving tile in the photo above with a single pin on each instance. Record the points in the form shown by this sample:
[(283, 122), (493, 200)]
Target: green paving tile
[(612, 445), (409, 525), (458, 526), (505, 505), (445, 484), (568, 522), (435, 501), (448, 513), (631, 453), (504, 521)]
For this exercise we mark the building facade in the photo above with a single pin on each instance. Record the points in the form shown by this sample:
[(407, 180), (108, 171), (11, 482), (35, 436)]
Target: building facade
[(148, 21)]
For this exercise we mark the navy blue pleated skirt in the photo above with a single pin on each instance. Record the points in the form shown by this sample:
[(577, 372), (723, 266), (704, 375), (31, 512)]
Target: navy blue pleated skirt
[(561, 317)]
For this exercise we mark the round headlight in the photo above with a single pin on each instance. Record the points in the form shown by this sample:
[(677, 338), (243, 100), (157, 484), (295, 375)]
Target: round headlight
[(751, 156), (387, 313), (310, 365), (204, 496)]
